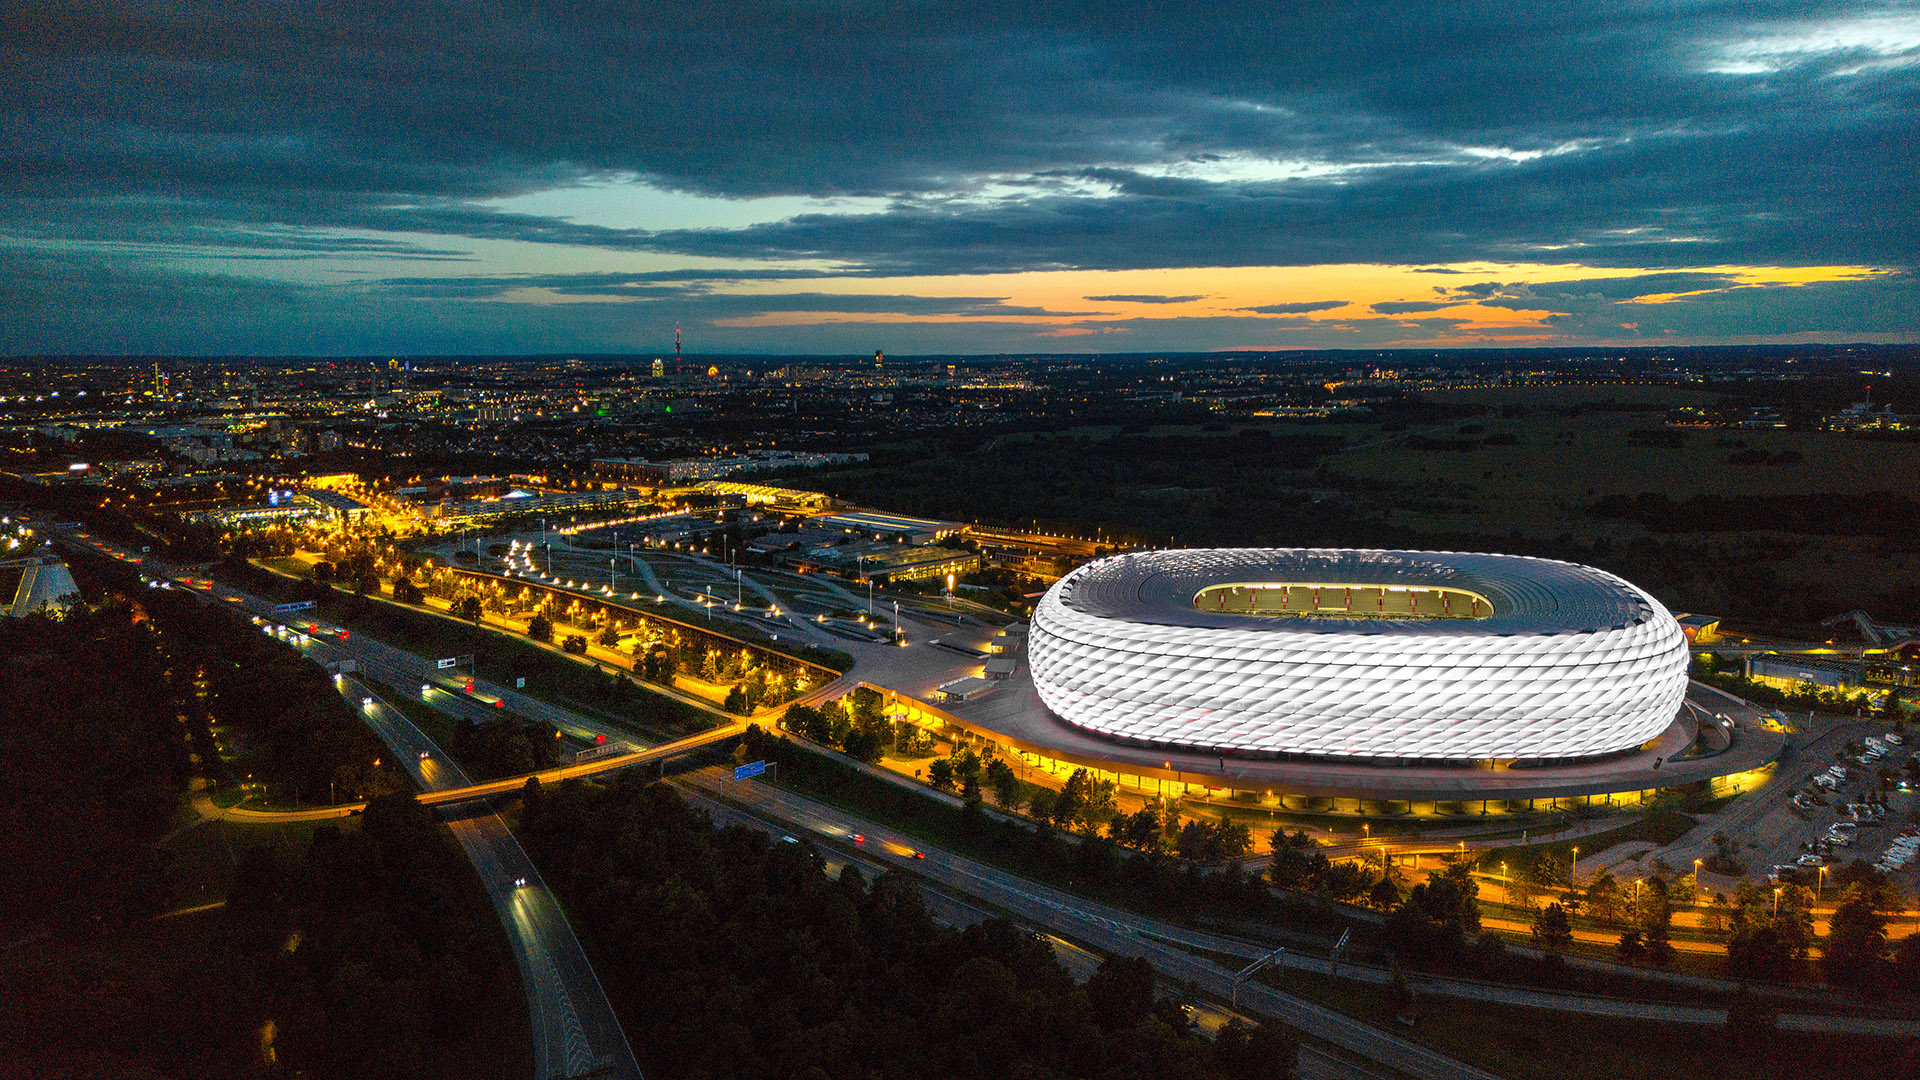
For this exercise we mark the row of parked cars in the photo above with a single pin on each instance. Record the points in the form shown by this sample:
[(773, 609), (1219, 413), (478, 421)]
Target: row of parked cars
[(1899, 854)]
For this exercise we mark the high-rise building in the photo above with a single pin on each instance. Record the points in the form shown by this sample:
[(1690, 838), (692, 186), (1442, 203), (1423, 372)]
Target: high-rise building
[(659, 368)]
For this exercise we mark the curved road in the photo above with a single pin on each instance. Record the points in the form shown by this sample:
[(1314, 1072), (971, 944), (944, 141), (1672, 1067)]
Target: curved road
[(575, 1031)]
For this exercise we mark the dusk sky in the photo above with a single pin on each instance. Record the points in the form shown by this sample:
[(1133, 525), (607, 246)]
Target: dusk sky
[(342, 178)]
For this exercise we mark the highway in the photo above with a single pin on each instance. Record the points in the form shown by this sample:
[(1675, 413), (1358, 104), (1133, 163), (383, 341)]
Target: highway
[(1101, 927), (558, 979), (1166, 944), (575, 1031), (947, 908)]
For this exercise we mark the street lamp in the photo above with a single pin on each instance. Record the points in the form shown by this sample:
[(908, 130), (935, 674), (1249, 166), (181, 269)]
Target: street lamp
[(1696, 881), (1776, 903), (1573, 870)]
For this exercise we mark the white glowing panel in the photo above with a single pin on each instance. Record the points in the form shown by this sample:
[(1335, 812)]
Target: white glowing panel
[(1571, 662)]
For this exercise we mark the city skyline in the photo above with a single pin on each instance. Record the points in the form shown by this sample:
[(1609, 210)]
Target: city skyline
[(804, 179)]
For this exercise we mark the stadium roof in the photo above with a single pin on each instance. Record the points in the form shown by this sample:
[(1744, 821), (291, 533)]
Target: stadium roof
[(1529, 596)]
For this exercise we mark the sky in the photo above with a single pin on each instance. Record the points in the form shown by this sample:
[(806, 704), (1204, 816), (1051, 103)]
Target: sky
[(350, 178)]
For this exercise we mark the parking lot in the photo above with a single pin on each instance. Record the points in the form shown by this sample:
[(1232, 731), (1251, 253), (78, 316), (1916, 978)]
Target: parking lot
[(1857, 802)]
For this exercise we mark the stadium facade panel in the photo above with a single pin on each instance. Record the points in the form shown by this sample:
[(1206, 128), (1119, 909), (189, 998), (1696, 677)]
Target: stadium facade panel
[(1193, 650)]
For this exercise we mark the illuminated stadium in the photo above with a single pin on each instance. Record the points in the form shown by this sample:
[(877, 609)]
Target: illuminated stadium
[(1376, 656)]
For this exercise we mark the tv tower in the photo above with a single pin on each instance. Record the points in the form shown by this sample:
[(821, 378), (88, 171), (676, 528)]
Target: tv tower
[(676, 346)]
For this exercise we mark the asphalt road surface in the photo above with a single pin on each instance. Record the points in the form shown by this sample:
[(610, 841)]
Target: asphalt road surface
[(574, 1029)]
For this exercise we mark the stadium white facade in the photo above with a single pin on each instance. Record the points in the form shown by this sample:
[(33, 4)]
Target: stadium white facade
[(1377, 655)]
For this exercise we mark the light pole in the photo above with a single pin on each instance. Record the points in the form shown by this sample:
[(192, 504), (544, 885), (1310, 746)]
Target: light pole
[(1697, 891), (1573, 869), (1776, 903)]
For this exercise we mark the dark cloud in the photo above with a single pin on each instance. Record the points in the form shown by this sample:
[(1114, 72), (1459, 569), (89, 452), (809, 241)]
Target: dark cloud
[(1299, 308), (997, 137), (1400, 307), (1147, 298)]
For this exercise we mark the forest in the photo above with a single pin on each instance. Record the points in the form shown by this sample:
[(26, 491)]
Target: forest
[(741, 957), (95, 762)]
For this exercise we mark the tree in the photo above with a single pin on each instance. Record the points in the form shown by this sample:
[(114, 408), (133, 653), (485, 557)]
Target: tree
[(406, 592), (609, 635), (1040, 803), (468, 607), (1759, 952), (540, 628), (1717, 921), (1856, 950), (736, 702), (1121, 992), (940, 773), (1631, 946), (1069, 805), (1659, 950), (1265, 1052), (1236, 840), (1603, 900), (1384, 895), (657, 666), (575, 644), (1005, 785), (1551, 928), (864, 745)]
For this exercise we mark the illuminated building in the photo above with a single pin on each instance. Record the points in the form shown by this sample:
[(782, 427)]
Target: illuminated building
[(1376, 655)]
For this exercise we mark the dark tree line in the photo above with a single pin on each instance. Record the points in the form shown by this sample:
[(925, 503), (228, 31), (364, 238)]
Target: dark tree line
[(95, 760), (373, 954), (741, 957), (292, 729), (1819, 513), (503, 746)]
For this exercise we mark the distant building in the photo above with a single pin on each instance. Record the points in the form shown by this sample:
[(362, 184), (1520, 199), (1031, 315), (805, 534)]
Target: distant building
[(345, 507), (885, 561), (881, 526), (1700, 629), (45, 585), (691, 469), (1795, 672), (638, 470)]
